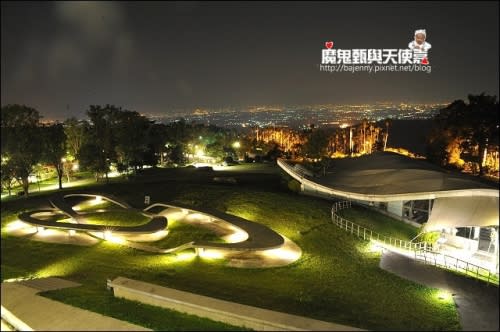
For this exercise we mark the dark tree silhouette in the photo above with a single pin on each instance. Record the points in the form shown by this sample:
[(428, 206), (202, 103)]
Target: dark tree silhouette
[(462, 129), (21, 144), (316, 145), (54, 148), (75, 135)]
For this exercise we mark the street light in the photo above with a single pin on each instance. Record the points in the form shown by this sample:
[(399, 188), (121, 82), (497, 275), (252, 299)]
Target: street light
[(236, 145)]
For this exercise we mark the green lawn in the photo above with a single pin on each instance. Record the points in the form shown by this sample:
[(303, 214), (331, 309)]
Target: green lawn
[(181, 233), (379, 223), (116, 218), (90, 205), (337, 279)]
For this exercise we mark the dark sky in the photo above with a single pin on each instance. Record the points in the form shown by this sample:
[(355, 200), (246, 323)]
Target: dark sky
[(60, 57)]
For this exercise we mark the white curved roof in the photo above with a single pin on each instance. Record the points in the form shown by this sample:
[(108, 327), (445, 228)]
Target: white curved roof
[(462, 212), (387, 177)]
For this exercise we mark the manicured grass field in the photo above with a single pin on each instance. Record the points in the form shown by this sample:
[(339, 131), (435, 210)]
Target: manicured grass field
[(116, 218), (89, 206), (337, 279), (379, 223), (181, 233)]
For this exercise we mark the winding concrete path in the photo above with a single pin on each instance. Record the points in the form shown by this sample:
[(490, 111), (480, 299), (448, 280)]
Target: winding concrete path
[(249, 244), (156, 224), (58, 201), (259, 237)]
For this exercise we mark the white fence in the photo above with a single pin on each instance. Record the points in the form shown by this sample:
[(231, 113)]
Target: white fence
[(368, 234), (420, 249), (456, 264)]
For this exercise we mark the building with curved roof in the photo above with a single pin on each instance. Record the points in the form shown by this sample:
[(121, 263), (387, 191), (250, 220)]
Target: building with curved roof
[(463, 208)]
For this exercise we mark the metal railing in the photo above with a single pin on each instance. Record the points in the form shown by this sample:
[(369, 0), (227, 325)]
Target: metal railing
[(456, 264), (420, 249), (368, 234)]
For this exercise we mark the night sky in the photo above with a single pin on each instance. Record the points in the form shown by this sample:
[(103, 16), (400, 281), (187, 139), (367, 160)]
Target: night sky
[(60, 57)]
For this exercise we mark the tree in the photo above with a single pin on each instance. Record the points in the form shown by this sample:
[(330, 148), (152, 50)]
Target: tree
[(464, 131), (316, 145), (75, 135), (8, 174), (176, 154), (157, 139), (54, 148), (177, 136), (92, 158), (21, 141), (130, 131), (101, 140), (274, 153), (482, 120)]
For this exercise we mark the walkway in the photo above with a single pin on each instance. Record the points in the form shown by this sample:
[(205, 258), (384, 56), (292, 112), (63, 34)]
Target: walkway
[(25, 310), (156, 224), (257, 236), (477, 302), (248, 244)]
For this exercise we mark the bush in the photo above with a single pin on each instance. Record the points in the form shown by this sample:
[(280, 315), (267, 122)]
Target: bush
[(429, 237)]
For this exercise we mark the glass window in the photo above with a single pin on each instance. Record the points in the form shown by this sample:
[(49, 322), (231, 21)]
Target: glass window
[(467, 232)]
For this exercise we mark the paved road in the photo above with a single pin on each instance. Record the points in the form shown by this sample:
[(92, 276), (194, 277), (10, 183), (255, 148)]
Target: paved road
[(477, 302)]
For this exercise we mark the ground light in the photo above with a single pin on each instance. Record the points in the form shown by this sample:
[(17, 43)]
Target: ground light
[(110, 237), (106, 235), (211, 253), (281, 253), (115, 239), (185, 256), (15, 225), (376, 246), (236, 236), (17, 279), (444, 296)]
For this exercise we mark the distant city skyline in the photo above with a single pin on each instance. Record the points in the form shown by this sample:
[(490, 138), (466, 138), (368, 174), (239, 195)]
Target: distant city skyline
[(159, 57), (303, 116)]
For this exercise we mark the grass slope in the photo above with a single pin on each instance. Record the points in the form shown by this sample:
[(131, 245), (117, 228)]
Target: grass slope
[(337, 279)]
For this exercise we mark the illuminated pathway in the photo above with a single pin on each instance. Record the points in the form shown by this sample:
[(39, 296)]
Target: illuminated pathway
[(476, 302), (248, 244)]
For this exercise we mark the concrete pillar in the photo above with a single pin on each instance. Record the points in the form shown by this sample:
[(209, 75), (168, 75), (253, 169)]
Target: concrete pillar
[(395, 207)]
